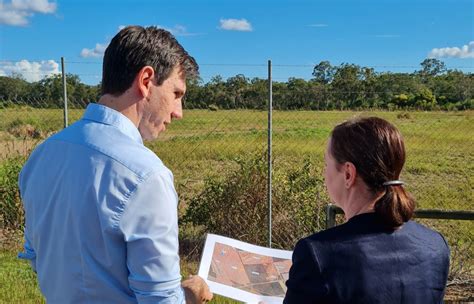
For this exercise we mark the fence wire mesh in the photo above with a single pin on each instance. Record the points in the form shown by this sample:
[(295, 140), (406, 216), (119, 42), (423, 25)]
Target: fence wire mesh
[(219, 160), (460, 237)]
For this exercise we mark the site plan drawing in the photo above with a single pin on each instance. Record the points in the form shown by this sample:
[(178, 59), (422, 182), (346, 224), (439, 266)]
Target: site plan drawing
[(243, 271)]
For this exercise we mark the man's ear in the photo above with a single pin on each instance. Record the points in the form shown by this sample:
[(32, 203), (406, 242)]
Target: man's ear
[(144, 80), (350, 174)]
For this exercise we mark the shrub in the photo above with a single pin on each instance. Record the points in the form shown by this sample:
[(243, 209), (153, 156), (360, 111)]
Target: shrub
[(11, 209), (24, 129), (213, 107), (236, 205), (403, 115), (299, 200)]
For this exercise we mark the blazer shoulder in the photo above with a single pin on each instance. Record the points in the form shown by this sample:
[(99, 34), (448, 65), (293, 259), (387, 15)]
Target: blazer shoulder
[(426, 233), (340, 232)]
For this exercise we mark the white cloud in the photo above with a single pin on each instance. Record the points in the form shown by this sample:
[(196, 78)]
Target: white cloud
[(30, 70), (235, 25), (178, 30), (466, 51), (17, 12), (98, 51), (39, 6), (14, 18)]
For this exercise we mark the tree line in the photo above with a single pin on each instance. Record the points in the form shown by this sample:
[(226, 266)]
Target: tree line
[(346, 86)]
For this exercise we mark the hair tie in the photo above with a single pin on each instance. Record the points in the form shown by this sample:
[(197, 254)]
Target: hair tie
[(394, 183)]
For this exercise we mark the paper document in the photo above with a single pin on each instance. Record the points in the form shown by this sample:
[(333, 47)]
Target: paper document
[(244, 272)]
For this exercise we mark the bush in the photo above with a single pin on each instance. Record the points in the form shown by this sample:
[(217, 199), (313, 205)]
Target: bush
[(28, 128), (11, 209), (213, 107), (299, 204), (236, 205), (403, 115)]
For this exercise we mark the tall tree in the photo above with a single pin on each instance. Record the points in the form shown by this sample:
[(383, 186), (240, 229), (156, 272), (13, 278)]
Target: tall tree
[(432, 67), (347, 85), (323, 72), (13, 89)]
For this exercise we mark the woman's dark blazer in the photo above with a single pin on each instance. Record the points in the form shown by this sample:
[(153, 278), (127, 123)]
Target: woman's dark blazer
[(361, 261)]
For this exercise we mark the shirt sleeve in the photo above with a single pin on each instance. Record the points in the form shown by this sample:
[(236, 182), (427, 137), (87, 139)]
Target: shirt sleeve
[(150, 228), (305, 283)]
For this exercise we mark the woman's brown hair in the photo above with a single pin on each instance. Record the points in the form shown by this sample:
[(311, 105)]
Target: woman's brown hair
[(376, 149)]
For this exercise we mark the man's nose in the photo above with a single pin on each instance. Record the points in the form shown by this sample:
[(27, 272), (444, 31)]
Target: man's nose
[(178, 111)]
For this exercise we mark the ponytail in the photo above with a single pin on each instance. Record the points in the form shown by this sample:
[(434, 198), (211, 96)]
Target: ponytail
[(395, 207)]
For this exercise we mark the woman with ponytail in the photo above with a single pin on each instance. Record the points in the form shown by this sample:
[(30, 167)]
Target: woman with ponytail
[(378, 255)]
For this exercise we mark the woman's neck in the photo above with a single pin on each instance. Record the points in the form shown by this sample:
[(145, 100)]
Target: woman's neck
[(359, 202), (353, 211)]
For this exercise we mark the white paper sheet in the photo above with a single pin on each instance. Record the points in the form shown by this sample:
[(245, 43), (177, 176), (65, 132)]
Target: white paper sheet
[(243, 271)]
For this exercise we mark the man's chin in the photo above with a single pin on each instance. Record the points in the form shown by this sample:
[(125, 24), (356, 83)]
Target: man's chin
[(147, 136), (151, 133)]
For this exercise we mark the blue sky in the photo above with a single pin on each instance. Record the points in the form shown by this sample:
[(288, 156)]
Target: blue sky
[(238, 37)]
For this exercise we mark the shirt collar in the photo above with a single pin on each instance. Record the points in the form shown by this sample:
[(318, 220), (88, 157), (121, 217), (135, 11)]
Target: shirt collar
[(105, 115)]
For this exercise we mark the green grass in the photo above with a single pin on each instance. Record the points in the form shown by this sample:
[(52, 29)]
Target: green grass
[(18, 282), (440, 147)]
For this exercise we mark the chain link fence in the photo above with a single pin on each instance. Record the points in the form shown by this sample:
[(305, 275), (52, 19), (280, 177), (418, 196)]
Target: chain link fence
[(219, 160)]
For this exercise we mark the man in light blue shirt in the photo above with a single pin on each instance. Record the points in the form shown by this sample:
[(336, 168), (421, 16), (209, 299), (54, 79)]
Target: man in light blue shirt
[(101, 208)]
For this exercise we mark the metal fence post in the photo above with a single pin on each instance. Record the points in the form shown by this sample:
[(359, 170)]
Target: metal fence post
[(269, 187), (330, 216), (64, 92)]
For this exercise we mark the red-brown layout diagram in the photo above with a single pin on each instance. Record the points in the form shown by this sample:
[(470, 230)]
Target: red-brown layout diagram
[(255, 273)]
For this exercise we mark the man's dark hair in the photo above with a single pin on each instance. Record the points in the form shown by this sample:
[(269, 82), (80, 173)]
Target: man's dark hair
[(135, 47)]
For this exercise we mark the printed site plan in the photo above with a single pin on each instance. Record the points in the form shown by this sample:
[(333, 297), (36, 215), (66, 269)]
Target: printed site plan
[(245, 272)]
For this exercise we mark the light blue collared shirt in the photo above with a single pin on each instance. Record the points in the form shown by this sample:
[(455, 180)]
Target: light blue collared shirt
[(101, 215)]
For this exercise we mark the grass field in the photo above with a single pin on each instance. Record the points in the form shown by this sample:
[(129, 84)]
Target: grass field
[(18, 282), (439, 169), (440, 145)]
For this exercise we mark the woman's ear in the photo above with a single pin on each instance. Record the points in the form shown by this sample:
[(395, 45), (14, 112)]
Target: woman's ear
[(144, 80), (350, 174)]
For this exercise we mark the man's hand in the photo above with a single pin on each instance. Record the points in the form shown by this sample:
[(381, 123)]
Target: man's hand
[(196, 290)]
